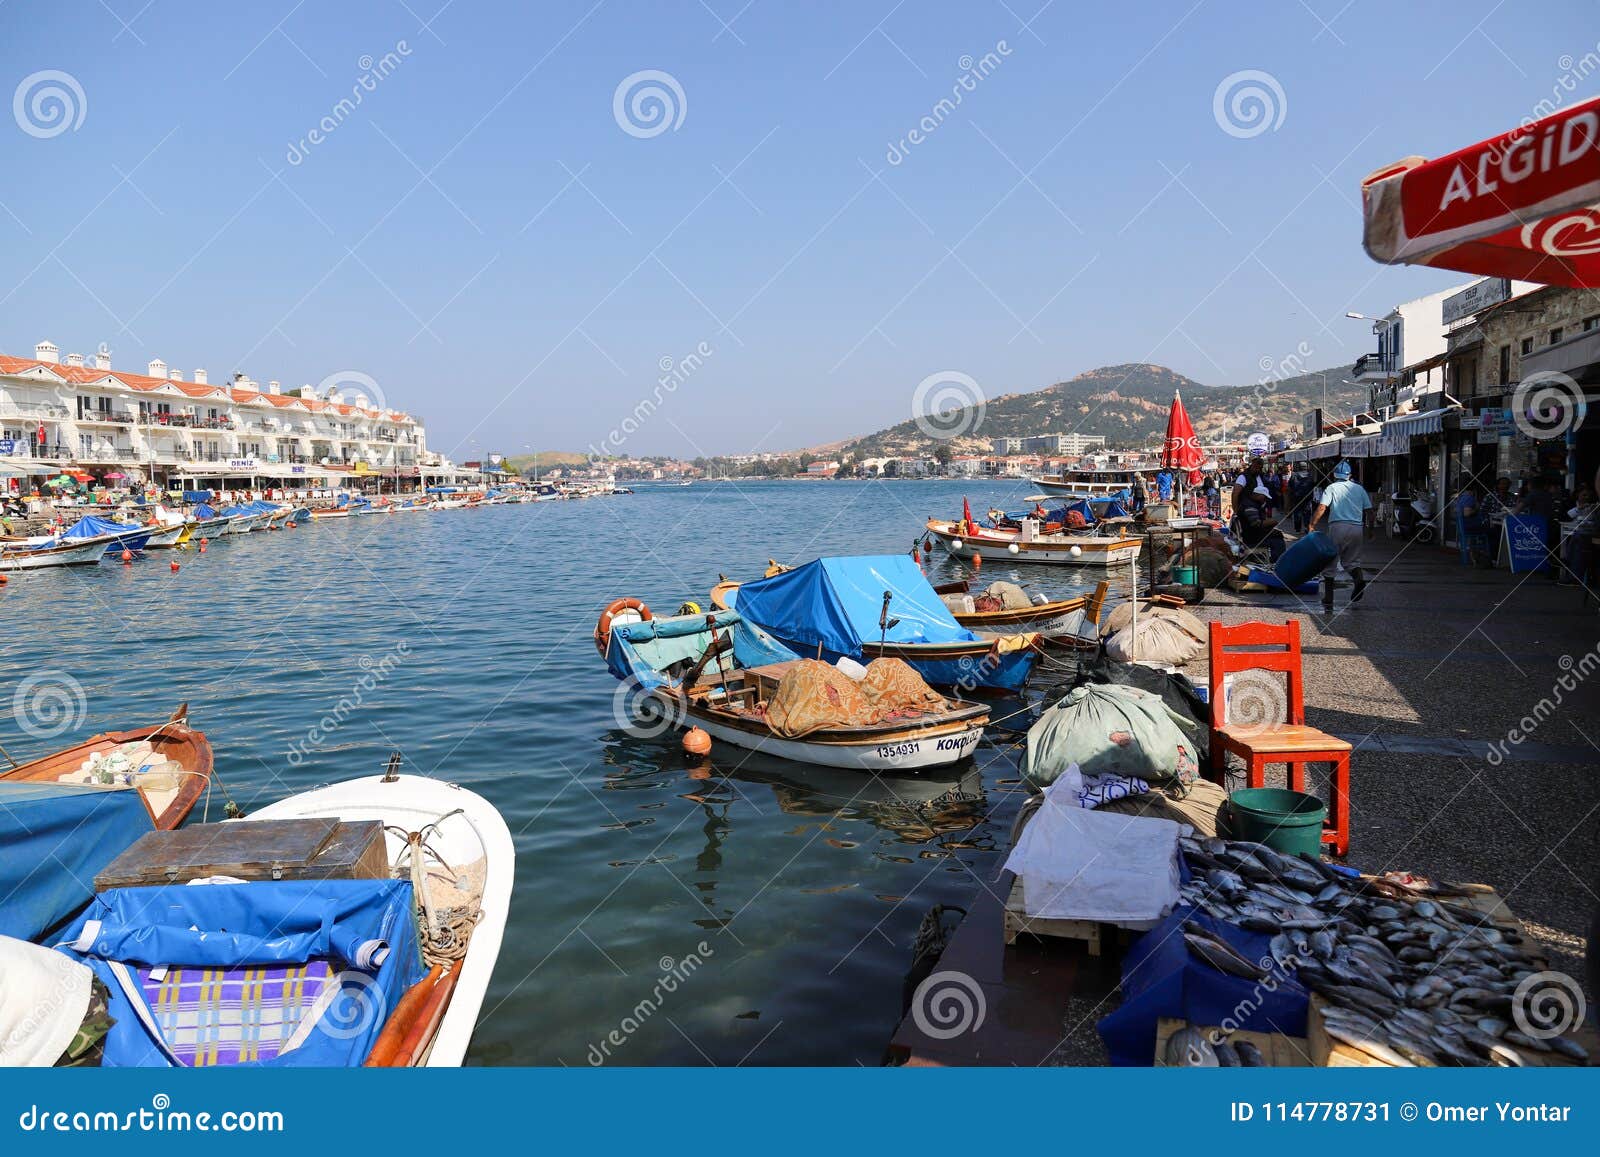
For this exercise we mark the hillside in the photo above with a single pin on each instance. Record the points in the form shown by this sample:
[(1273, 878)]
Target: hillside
[(1128, 404), (545, 460)]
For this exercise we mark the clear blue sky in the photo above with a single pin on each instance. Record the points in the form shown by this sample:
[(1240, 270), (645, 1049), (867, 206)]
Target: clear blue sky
[(483, 239)]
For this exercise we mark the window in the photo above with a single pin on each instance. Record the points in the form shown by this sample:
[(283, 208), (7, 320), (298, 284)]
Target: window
[(1527, 345), (85, 445), (1505, 364), (1555, 335), (1590, 322)]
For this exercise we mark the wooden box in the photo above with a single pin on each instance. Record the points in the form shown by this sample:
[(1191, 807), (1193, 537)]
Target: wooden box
[(299, 849), (1094, 936)]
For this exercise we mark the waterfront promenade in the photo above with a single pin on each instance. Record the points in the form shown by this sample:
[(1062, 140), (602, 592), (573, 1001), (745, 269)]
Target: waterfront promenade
[(1432, 677)]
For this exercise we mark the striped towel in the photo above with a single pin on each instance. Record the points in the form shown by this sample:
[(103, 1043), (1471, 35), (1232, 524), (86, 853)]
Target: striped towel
[(213, 1016)]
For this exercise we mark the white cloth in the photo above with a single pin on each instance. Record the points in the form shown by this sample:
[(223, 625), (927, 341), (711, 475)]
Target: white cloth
[(44, 996), (1079, 864)]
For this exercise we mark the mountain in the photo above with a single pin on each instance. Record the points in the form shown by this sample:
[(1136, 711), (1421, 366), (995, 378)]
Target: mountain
[(1128, 404)]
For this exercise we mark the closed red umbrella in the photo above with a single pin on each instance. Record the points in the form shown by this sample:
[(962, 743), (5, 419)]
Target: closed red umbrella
[(1524, 204), (1181, 450)]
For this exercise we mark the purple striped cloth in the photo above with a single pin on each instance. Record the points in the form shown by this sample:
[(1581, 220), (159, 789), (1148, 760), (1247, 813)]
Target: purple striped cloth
[(212, 1016)]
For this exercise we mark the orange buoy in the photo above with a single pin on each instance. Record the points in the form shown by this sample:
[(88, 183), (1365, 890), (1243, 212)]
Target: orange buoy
[(977, 561), (174, 566), (696, 742), (291, 524), (127, 555)]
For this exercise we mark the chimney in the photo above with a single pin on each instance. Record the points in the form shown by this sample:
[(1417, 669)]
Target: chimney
[(200, 378), (274, 388), (75, 359), (47, 351), (176, 375), (102, 360), (157, 369)]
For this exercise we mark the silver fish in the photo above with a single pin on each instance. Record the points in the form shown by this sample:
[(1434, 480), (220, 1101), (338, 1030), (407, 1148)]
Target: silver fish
[(1227, 1055), (1188, 1048), (1569, 1048), (1221, 957), (1369, 1043), (1249, 1056)]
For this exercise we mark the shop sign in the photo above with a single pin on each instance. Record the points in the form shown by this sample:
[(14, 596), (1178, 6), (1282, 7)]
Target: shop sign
[(1470, 423), (1524, 541), (8, 446), (1257, 445), (1475, 298), (1390, 445), (241, 463)]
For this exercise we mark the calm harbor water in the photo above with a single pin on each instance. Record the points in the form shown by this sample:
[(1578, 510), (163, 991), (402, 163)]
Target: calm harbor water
[(805, 886)]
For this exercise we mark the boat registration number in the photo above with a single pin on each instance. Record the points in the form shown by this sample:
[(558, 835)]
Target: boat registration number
[(896, 750)]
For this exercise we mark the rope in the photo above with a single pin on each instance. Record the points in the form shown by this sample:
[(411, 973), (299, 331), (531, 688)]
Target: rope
[(445, 932)]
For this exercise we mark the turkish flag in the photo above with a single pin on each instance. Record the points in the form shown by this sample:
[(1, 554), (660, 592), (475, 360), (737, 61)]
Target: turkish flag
[(966, 517)]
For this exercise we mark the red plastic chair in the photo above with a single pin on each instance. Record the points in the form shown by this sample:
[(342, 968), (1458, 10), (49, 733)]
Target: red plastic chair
[(1262, 742)]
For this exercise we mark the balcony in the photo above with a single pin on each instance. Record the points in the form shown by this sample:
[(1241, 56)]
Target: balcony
[(29, 448), (1374, 368), (47, 411), (109, 417)]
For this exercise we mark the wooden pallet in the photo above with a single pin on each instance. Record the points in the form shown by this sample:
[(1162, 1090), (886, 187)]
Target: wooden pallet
[(1094, 935), (1279, 1051)]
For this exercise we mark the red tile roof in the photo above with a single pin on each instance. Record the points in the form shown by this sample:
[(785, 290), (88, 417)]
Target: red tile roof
[(89, 375)]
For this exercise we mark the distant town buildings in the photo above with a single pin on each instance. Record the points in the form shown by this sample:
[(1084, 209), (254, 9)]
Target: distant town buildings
[(1070, 444)]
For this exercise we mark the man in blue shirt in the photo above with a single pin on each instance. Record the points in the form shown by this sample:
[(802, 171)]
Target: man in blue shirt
[(1346, 505)]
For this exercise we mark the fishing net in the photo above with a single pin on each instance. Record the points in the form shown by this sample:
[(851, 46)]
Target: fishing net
[(895, 690), (1119, 618), (1011, 596), (815, 696), (1163, 641), (1108, 729)]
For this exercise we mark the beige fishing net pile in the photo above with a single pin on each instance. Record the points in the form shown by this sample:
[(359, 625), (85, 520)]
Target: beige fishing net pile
[(815, 696)]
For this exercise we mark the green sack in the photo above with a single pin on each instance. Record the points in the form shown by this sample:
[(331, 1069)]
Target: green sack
[(1108, 729)]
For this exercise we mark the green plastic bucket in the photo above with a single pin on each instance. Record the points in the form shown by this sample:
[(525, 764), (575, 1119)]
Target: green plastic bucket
[(1286, 821), (1185, 575)]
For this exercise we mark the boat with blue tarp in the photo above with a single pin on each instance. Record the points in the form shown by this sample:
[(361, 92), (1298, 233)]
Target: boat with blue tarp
[(719, 672), (881, 606)]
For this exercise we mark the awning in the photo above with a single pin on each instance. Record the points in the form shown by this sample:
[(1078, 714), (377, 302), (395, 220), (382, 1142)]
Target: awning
[(1524, 204), (1428, 422), (1325, 447), (1356, 447)]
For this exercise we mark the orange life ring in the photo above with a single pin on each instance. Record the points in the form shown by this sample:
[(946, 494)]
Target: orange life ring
[(602, 629)]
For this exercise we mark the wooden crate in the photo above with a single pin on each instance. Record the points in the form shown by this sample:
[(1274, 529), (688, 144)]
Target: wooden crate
[(1092, 934), (1277, 1050), (298, 849)]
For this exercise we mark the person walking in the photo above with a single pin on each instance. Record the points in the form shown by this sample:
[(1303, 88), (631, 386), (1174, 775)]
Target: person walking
[(1347, 506)]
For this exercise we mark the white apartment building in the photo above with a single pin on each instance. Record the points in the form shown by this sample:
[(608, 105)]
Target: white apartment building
[(157, 426)]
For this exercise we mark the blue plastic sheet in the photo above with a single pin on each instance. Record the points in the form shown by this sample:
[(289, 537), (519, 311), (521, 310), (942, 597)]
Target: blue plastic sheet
[(1161, 978), (836, 602), (270, 923), (54, 837)]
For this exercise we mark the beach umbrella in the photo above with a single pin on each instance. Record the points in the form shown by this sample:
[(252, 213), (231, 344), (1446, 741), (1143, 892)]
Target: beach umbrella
[(1524, 204), (61, 481)]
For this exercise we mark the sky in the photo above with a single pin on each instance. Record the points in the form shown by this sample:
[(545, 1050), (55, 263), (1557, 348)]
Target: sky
[(788, 218)]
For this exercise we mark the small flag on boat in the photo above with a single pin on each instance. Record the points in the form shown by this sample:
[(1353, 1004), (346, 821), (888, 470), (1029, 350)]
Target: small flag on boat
[(966, 516)]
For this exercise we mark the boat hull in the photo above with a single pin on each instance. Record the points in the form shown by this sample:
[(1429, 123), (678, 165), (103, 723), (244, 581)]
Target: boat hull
[(167, 537), (1054, 549), (899, 751), (410, 803), (84, 554), (1068, 628)]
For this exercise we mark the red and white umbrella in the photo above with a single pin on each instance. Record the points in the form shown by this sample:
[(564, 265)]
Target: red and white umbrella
[(1181, 450), (1524, 204)]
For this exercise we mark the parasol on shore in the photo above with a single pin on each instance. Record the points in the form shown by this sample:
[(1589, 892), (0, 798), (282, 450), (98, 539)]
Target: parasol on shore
[(1524, 204), (1181, 449)]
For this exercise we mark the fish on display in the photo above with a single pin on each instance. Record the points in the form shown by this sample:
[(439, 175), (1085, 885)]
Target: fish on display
[(1189, 1048), (1414, 979)]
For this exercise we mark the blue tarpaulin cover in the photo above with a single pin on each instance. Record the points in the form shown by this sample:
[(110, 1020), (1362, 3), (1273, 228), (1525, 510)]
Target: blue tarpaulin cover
[(55, 837), (93, 526), (204, 511), (267, 924), (1161, 977), (836, 602), (625, 654)]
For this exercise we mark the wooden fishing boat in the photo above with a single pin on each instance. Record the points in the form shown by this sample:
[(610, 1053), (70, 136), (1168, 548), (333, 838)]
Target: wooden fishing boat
[(1096, 485), (325, 512), (1030, 543), (469, 861), (1060, 622), (86, 552), (179, 758), (703, 681)]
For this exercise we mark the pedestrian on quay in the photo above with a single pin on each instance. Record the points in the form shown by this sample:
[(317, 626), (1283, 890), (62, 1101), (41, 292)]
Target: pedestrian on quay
[(1347, 507), (1300, 488)]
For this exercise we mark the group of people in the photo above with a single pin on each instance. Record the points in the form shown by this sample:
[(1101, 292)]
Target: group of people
[(1263, 499), (1481, 516)]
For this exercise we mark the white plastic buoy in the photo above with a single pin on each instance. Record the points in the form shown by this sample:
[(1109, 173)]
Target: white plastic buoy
[(955, 544), (1014, 548), (1076, 551)]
